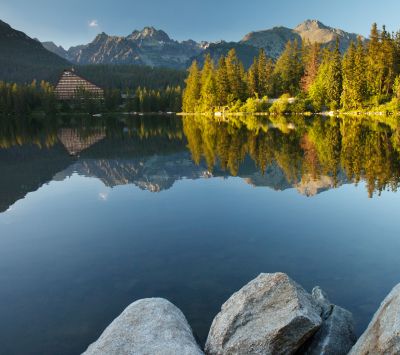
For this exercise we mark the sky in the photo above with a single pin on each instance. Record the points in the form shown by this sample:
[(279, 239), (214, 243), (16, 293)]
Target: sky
[(74, 22)]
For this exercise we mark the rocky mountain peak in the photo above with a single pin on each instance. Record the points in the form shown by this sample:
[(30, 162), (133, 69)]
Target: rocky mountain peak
[(101, 35), (149, 33), (52, 47), (310, 25)]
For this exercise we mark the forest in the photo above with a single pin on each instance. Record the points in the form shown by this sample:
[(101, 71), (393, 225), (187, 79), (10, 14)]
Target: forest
[(307, 77), (129, 88), (22, 99), (343, 148), (320, 78)]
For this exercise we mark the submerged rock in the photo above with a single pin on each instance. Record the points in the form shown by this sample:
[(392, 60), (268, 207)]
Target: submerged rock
[(383, 333), (149, 326), (336, 335), (270, 315)]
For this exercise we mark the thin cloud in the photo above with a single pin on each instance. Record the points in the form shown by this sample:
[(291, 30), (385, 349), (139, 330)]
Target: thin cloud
[(94, 23)]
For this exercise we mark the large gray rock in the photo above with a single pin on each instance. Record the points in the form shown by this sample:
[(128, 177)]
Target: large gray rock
[(270, 315), (149, 326), (383, 333), (336, 335)]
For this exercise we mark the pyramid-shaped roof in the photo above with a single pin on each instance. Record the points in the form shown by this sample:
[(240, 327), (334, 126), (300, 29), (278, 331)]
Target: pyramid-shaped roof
[(70, 84)]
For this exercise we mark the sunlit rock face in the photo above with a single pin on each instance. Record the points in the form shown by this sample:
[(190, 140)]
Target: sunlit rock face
[(273, 40), (146, 47), (316, 32), (383, 333), (147, 326), (154, 173), (154, 47), (311, 186), (272, 314)]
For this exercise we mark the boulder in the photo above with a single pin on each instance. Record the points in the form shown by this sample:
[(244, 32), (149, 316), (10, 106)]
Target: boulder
[(383, 333), (336, 335), (322, 300), (270, 315), (149, 326)]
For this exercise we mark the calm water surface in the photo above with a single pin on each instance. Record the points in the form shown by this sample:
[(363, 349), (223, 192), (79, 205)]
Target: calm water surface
[(97, 214)]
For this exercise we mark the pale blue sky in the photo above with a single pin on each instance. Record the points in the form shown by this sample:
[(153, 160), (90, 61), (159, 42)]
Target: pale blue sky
[(68, 22)]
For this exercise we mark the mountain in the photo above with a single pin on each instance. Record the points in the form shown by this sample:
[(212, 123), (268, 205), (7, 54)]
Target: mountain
[(52, 47), (155, 48), (273, 41), (23, 59), (149, 47), (245, 52), (315, 31)]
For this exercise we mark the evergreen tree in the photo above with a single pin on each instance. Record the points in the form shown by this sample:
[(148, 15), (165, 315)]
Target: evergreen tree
[(264, 71), (354, 80), (191, 94), (252, 79), (236, 75), (289, 69), (334, 78), (208, 93), (311, 64), (222, 83)]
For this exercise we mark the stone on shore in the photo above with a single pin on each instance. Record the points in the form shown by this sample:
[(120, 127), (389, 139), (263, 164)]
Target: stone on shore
[(383, 333), (151, 326), (270, 315), (336, 335)]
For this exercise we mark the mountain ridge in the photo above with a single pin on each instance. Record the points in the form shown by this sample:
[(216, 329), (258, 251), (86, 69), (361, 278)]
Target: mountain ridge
[(23, 58), (154, 47)]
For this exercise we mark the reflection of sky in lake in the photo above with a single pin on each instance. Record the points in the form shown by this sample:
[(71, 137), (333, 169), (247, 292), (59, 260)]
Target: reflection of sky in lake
[(148, 207), (75, 253)]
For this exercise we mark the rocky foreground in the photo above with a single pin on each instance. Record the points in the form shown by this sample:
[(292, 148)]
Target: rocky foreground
[(272, 314)]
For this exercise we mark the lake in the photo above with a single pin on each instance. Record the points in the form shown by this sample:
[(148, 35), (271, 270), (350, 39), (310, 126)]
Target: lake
[(96, 213)]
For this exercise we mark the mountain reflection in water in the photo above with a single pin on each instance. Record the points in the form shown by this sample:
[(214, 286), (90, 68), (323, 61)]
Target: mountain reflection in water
[(129, 207), (309, 154)]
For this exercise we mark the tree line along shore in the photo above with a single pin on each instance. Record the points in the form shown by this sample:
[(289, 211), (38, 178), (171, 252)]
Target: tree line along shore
[(364, 78), (306, 78)]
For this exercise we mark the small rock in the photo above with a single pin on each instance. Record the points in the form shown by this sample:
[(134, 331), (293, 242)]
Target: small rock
[(322, 300), (383, 333), (336, 335), (270, 315), (151, 326)]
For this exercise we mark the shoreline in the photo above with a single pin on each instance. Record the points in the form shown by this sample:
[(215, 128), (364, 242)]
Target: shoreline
[(272, 314)]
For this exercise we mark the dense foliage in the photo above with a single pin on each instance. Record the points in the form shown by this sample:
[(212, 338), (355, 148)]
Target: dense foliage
[(132, 76), (331, 151), (367, 75), (26, 98)]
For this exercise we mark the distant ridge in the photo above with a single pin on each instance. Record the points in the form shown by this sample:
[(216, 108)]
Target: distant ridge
[(155, 47), (24, 59), (273, 40)]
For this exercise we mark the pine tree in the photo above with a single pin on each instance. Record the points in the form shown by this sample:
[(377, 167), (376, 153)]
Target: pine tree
[(381, 62), (389, 62), (311, 64), (191, 94), (354, 80), (289, 69), (334, 77), (264, 70), (208, 93), (252, 79), (236, 75), (222, 82)]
